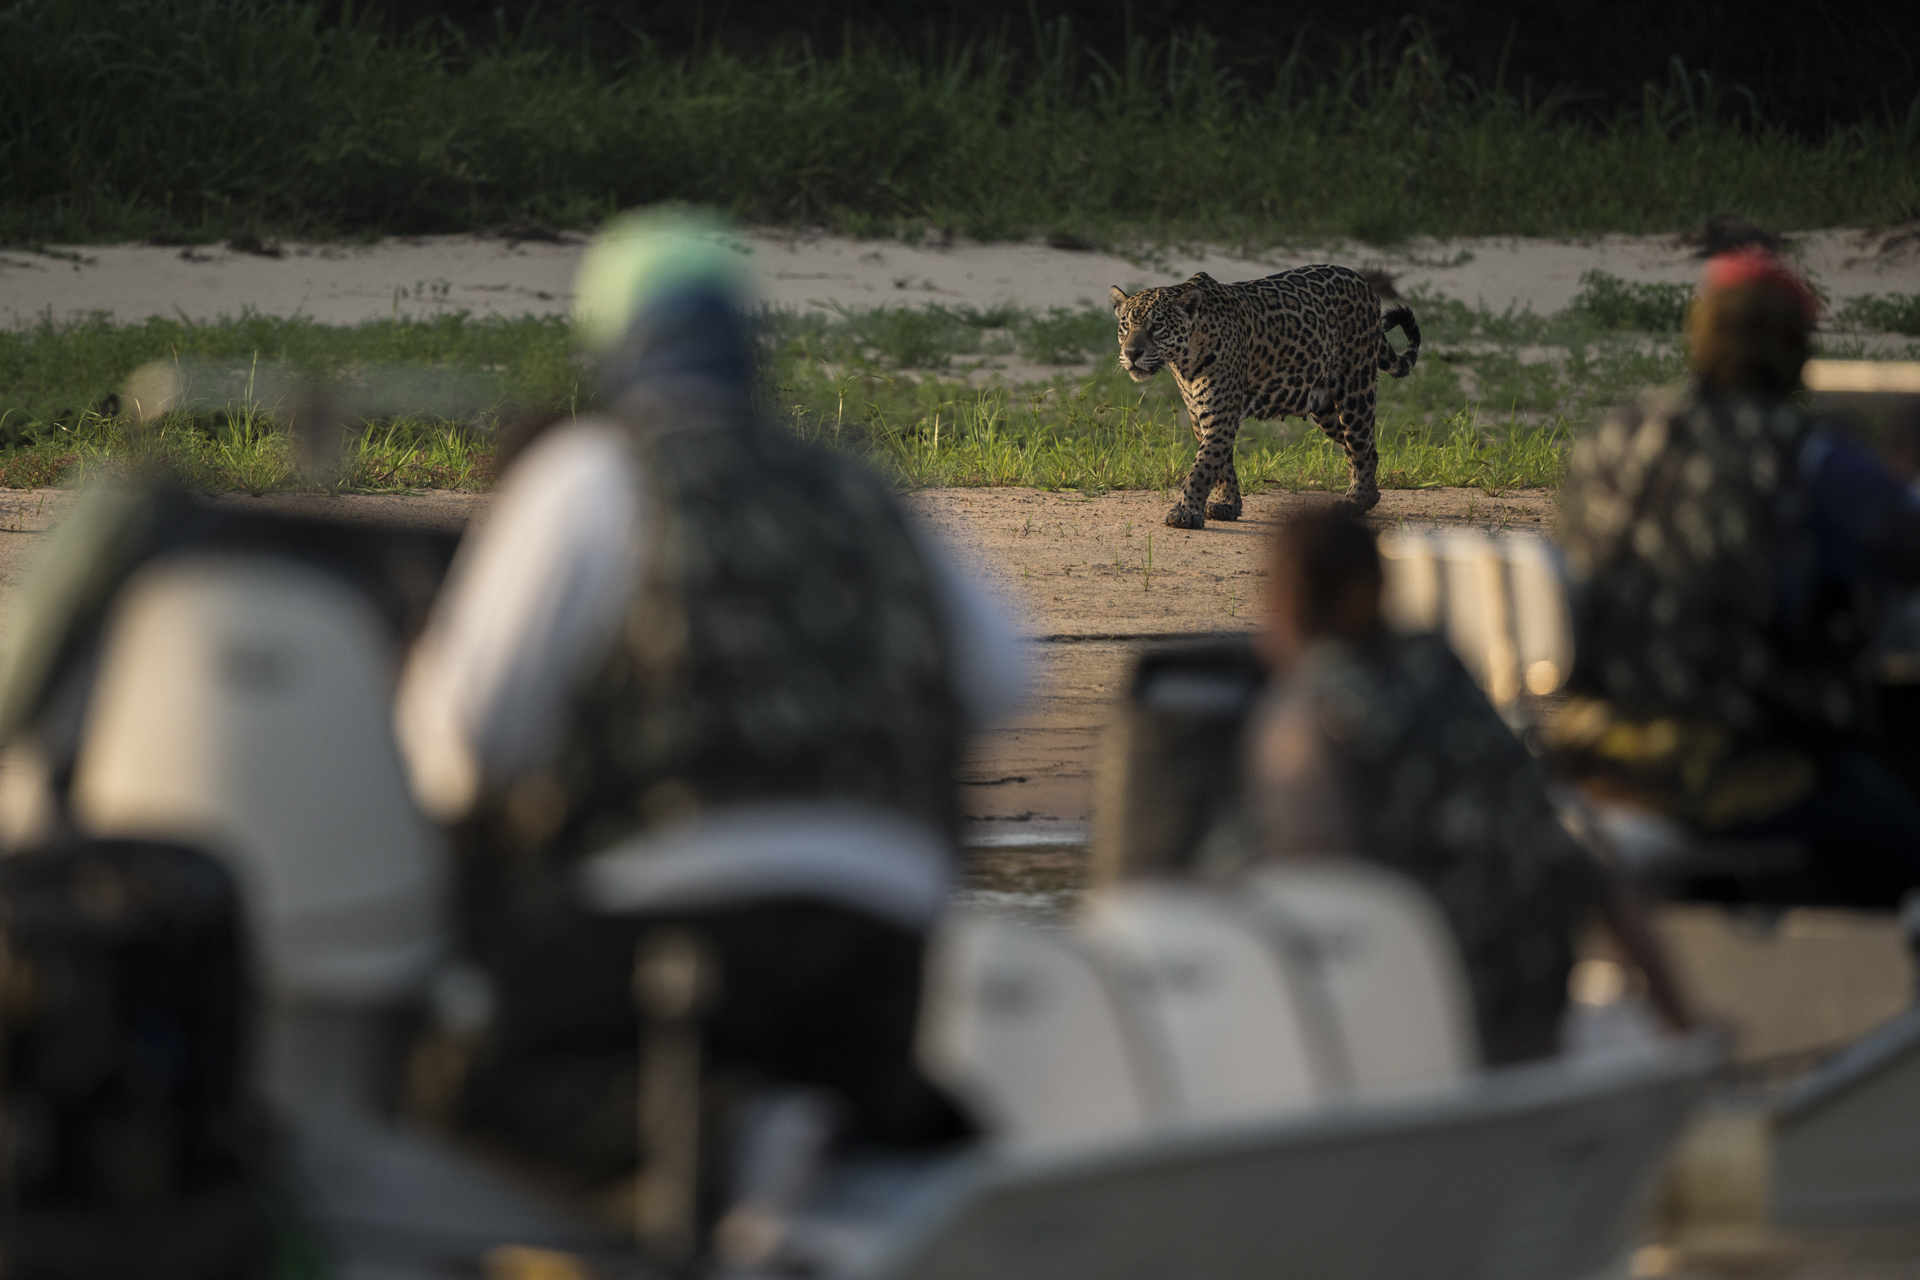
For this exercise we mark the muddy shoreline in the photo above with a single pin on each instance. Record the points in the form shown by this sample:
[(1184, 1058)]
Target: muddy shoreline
[(1090, 579)]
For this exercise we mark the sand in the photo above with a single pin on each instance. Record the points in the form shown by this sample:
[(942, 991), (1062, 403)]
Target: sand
[(1071, 568), (424, 276)]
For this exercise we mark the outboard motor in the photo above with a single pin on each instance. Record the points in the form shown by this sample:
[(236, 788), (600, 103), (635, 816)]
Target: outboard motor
[(199, 678), (1167, 796)]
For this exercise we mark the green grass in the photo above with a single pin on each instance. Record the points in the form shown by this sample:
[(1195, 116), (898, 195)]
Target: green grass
[(206, 118), (54, 373), (933, 395), (244, 452), (1881, 313), (1078, 440)]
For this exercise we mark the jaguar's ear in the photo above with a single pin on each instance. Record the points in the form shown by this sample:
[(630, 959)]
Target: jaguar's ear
[(1188, 299), (1118, 297)]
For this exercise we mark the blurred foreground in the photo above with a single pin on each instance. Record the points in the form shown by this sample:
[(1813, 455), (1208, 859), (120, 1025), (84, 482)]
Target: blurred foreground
[(1792, 988)]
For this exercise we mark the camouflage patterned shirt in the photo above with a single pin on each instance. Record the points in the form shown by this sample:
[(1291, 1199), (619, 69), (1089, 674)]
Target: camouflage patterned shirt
[(787, 644), (1391, 751), (1713, 655)]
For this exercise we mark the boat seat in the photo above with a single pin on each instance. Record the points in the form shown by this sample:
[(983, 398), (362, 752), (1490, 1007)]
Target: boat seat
[(1499, 599), (1022, 1025), (1383, 964), (1236, 1031)]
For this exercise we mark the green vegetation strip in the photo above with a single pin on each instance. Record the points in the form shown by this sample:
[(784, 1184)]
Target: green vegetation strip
[(933, 395), (1885, 312), (204, 118)]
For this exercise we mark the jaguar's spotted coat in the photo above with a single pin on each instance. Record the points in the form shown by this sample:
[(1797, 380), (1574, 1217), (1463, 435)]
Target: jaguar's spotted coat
[(1310, 342)]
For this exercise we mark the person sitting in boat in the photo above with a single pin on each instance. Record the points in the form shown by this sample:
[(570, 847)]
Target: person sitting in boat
[(1724, 546), (1382, 746), (693, 671)]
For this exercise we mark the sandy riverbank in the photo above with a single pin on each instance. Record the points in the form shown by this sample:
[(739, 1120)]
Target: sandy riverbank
[(423, 276)]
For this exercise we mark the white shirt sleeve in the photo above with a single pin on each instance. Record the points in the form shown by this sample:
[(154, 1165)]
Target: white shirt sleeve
[(535, 598), (992, 668)]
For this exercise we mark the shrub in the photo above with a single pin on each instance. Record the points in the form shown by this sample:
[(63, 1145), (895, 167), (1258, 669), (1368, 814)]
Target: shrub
[(1612, 303), (1881, 313)]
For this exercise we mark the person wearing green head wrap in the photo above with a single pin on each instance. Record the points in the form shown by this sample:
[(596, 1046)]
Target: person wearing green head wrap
[(640, 258), (658, 300), (694, 672)]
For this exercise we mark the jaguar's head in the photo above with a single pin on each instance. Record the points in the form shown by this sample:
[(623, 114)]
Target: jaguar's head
[(1156, 327)]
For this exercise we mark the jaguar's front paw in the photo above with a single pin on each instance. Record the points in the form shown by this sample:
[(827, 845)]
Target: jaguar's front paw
[(1185, 517), (1224, 510), (1363, 500)]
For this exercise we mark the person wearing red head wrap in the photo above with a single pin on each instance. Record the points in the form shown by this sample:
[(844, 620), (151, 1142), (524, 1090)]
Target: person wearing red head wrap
[(1750, 328), (1752, 264), (1722, 544)]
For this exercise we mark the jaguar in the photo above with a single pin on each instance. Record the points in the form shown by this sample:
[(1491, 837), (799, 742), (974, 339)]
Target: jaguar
[(1310, 343)]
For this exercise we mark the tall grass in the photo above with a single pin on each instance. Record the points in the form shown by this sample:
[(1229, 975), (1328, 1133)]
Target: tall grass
[(206, 117)]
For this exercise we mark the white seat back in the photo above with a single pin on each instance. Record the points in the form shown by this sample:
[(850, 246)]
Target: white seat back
[(1386, 964), (1542, 616), (243, 705), (1234, 1032), (1020, 1023), (1500, 601)]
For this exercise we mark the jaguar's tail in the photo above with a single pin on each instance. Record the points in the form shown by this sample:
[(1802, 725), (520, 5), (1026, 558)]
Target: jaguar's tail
[(1399, 364)]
